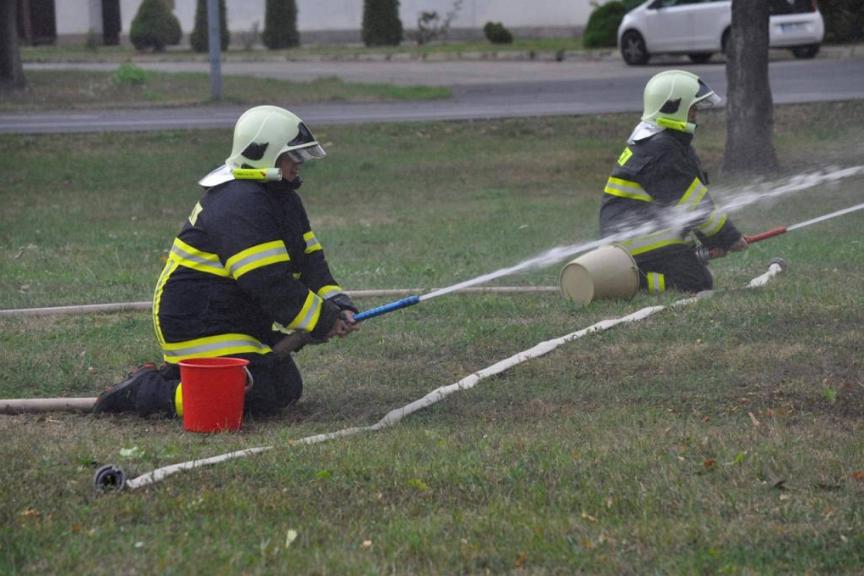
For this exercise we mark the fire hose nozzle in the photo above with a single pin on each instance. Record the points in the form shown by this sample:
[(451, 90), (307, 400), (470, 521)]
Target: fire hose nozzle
[(372, 312)]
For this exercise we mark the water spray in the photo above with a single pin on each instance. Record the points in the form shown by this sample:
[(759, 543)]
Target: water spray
[(706, 254), (557, 254)]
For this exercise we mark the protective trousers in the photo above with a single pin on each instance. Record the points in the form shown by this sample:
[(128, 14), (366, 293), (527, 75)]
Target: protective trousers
[(679, 270)]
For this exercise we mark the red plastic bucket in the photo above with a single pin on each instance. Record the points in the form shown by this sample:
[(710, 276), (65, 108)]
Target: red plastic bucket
[(213, 392)]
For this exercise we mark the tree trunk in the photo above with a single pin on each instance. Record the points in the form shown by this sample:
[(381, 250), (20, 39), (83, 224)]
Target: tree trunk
[(11, 71), (749, 107)]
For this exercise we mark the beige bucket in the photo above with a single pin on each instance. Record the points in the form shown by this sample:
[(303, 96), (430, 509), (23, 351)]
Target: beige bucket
[(608, 272)]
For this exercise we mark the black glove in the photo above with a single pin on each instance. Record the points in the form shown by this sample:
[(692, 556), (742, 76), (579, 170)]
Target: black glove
[(343, 301)]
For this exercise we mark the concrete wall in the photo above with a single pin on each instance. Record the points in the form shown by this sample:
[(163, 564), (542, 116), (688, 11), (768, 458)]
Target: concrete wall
[(335, 19)]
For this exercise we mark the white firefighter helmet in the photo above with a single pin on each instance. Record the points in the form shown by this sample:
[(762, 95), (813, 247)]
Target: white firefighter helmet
[(263, 133), (669, 96)]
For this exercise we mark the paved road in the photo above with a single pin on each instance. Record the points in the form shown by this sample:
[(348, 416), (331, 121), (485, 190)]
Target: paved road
[(481, 89)]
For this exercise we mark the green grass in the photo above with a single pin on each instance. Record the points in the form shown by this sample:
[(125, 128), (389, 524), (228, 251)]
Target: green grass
[(58, 89), (723, 437), (72, 53)]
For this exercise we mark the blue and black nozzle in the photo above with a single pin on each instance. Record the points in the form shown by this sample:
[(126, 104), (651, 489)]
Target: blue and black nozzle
[(386, 308)]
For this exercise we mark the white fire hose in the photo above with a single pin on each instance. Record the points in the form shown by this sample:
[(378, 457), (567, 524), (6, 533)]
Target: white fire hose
[(110, 477)]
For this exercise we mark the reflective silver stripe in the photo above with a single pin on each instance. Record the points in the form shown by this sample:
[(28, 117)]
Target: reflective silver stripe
[(184, 255), (653, 241), (213, 346), (311, 315), (626, 189), (712, 224), (235, 266)]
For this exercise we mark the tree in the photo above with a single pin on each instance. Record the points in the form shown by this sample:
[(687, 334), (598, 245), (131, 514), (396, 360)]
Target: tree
[(381, 23), (11, 70), (154, 26), (749, 107), (280, 24), (199, 39)]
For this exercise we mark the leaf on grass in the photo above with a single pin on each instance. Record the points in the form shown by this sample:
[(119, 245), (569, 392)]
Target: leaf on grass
[(30, 512), (586, 516), (324, 474), (418, 484), (131, 453), (858, 475), (521, 559), (709, 463), (290, 537)]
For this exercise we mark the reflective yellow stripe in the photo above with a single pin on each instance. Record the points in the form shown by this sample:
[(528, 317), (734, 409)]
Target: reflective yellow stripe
[(694, 194), (654, 241), (257, 257), (212, 346), (178, 399), (329, 291), (312, 244), (191, 257), (712, 225), (626, 189), (307, 319), (656, 282), (625, 155), (169, 268)]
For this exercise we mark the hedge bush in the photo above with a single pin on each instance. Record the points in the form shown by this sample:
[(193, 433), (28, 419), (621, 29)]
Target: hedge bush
[(844, 20), (154, 26), (496, 33), (199, 39), (280, 24), (381, 23), (602, 28)]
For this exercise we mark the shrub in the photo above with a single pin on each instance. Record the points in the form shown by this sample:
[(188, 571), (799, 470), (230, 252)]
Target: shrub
[(199, 39), (496, 33), (602, 28), (381, 23), (280, 24), (154, 26), (844, 20), (129, 74)]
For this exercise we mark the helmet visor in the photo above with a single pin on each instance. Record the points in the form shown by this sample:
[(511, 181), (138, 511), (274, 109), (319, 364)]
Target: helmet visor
[(300, 155), (304, 146), (705, 97)]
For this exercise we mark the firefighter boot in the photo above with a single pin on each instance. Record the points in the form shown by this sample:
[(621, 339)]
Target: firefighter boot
[(122, 397)]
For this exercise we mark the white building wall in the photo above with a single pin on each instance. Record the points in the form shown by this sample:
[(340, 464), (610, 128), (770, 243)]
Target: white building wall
[(80, 16)]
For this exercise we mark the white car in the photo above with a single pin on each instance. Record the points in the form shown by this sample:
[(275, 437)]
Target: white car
[(699, 28)]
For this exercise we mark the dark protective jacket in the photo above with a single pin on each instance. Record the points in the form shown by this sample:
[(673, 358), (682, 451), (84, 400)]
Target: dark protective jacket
[(245, 267), (656, 179)]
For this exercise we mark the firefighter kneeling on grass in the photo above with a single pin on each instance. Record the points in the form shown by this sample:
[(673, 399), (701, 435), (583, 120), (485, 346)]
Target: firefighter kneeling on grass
[(658, 177), (244, 272)]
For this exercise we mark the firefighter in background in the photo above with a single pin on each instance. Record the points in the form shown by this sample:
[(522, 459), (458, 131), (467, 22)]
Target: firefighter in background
[(244, 273), (658, 179)]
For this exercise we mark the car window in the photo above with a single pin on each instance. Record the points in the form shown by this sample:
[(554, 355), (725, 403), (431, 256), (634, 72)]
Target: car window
[(779, 7)]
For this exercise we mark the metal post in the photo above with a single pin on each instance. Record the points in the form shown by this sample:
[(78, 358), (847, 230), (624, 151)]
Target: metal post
[(215, 42)]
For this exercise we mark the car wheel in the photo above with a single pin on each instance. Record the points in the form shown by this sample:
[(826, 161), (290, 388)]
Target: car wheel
[(633, 49), (699, 57), (805, 51)]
